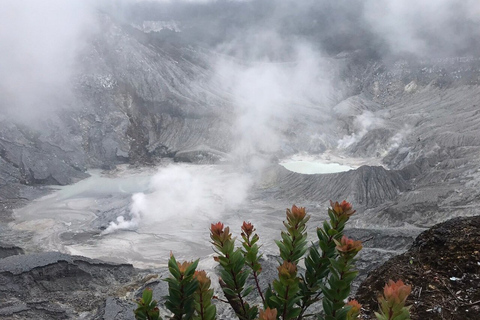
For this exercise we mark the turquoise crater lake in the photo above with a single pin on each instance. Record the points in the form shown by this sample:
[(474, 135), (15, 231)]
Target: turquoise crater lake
[(314, 166)]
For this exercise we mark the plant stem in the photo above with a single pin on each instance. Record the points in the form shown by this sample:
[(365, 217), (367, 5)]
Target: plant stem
[(284, 313), (239, 294), (257, 284)]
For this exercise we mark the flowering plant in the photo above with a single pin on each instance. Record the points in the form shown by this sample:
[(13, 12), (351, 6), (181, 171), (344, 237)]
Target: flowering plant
[(392, 303), (329, 273)]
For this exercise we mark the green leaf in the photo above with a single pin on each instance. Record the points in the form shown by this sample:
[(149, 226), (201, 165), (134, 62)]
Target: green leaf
[(190, 289), (276, 301), (341, 313), (293, 313), (140, 314), (229, 292), (147, 296), (327, 306), (247, 291), (191, 268), (210, 312), (350, 277), (327, 293), (332, 232), (173, 268)]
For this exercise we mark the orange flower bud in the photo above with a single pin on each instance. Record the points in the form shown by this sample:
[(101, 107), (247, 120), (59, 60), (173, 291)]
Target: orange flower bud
[(184, 266), (396, 292), (355, 310), (298, 213), (287, 270), (347, 245), (202, 278), (247, 228), (343, 209), (268, 314)]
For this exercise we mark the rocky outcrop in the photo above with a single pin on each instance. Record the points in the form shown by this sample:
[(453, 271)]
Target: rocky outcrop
[(9, 250), (33, 157), (443, 268), (58, 286)]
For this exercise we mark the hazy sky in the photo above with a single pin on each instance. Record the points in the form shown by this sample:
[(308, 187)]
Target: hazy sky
[(38, 45), (39, 40), (427, 28)]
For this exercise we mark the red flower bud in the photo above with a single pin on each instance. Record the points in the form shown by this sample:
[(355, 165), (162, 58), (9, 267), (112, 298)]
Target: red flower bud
[(347, 245), (296, 214), (247, 228), (217, 228), (343, 209)]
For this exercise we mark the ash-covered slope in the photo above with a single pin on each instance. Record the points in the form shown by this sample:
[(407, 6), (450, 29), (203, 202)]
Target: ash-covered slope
[(432, 113), (421, 120), (145, 96), (137, 97), (367, 186)]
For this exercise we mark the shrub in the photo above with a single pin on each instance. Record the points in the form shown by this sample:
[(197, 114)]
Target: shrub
[(392, 303), (329, 273)]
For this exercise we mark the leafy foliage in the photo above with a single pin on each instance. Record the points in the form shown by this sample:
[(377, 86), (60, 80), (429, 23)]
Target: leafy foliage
[(204, 309), (233, 273), (329, 273), (181, 287), (392, 303), (250, 252), (294, 241), (147, 308)]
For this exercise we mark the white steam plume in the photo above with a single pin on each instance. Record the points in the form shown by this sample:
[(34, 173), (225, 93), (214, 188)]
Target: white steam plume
[(268, 95), (184, 194), (38, 44), (361, 125)]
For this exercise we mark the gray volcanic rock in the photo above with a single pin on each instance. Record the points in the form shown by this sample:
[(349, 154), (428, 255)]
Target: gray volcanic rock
[(366, 186), (58, 286), (372, 143), (424, 130), (146, 98), (29, 158), (8, 250), (201, 155)]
